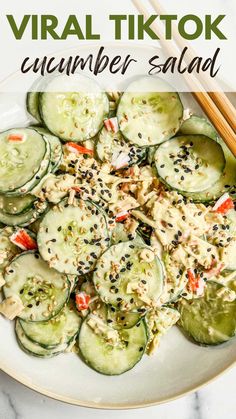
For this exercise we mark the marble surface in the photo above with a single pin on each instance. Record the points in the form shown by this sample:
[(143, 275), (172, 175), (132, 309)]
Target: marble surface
[(215, 401)]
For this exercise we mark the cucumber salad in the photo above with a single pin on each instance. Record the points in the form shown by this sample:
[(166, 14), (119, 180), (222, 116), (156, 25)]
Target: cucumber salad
[(117, 222)]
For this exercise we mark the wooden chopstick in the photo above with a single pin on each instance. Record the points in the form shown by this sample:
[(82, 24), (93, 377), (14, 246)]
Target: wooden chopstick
[(206, 101), (214, 91)]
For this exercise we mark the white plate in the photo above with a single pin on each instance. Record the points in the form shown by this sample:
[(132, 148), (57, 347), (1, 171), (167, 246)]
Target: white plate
[(178, 366)]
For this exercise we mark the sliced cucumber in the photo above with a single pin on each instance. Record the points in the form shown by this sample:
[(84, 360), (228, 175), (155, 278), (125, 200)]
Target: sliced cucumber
[(42, 290), (72, 238), (76, 115), (197, 125), (200, 126), (110, 359), (211, 319), (120, 234), (34, 349), (32, 104), (56, 148), (7, 249), (190, 163), (109, 147), (22, 163), (60, 330), (148, 114), (151, 155), (15, 205), (121, 319), (25, 218), (122, 274)]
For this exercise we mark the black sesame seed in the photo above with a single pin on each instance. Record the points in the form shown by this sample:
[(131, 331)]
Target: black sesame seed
[(140, 349), (30, 305), (59, 228)]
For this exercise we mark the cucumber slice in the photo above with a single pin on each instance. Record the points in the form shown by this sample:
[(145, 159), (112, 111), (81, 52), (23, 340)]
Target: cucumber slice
[(15, 205), (147, 113), (109, 147), (56, 148), (22, 163), (72, 238), (60, 330), (199, 125), (42, 290), (151, 155), (121, 319), (120, 234), (7, 249), (190, 163), (111, 359), (25, 218), (34, 349), (76, 115), (32, 104), (211, 319), (121, 267)]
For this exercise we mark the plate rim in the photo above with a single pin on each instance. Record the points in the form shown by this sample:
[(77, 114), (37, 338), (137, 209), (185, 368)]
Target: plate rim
[(95, 405), (105, 406)]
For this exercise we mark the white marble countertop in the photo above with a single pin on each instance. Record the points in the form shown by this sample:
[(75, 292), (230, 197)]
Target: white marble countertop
[(215, 401)]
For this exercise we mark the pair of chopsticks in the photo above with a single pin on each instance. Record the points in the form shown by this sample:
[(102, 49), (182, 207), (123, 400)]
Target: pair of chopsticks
[(214, 102)]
